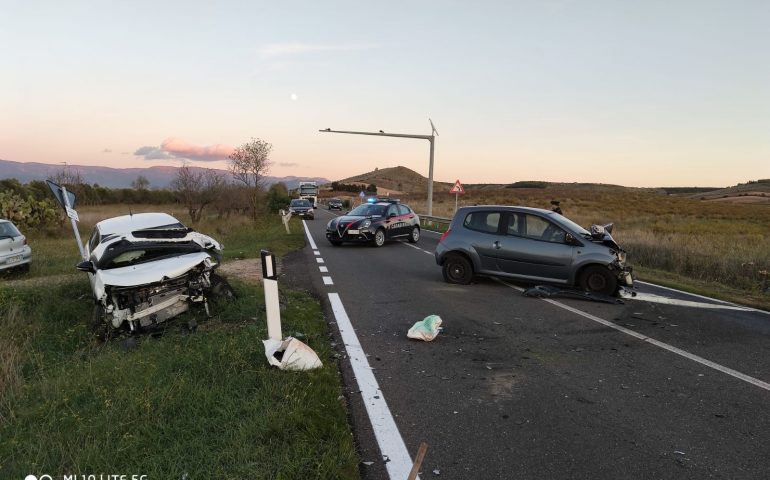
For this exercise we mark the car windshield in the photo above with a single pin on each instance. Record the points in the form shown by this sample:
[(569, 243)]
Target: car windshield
[(367, 210), (566, 222), (300, 203), (8, 230), (334, 200)]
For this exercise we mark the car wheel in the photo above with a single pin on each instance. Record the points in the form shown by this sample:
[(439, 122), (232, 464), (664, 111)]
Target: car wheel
[(598, 279), (336, 243), (101, 328), (379, 238), (415, 235), (457, 269)]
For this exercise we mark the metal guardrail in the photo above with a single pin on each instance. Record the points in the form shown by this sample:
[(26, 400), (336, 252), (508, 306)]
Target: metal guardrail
[(429, 221)]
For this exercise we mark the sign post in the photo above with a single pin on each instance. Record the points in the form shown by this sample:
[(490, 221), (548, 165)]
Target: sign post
[(67, 201), (457, 189), (361, 196)]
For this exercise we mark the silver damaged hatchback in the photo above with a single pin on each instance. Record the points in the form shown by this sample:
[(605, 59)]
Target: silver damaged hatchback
[(14, 251), (531, 245)]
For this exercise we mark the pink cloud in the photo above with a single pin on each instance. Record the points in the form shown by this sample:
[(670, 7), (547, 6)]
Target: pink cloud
[(181, 149)]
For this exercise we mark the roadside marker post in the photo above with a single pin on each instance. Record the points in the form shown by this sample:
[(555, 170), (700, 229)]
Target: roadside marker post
[(67, 202), (272, 304), (361, 196), (457, 189)]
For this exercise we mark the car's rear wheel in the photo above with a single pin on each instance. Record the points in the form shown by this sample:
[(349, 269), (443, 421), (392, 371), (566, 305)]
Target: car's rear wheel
[(415, 235), (379, 238), (598, 279), (457, 269)]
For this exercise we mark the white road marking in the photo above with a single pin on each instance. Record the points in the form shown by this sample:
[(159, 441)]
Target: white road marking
[(703, 297), (650, 340), (385, 430), (316, 252), (418, 248), (323, 269), (327, 280), (649, 297), (309, 237), (319, 260)]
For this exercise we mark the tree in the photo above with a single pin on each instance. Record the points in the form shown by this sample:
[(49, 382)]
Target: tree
[(249, 163), (141, 183), (277, 197), (197, 189)]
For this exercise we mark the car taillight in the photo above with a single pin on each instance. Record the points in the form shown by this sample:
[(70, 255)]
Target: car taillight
[(444, 235)]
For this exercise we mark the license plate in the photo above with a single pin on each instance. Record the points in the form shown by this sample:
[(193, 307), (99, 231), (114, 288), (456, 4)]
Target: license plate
[(354, 232), (13, 259)]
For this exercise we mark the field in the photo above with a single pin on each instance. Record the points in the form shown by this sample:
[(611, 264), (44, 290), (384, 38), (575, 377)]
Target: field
[(719, 249), (201, 403)]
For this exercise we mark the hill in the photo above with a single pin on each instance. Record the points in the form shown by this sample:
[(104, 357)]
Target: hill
[(396, 179), (159, 176)]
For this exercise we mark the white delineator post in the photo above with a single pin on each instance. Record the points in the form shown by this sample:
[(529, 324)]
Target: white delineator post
[(272, 304)]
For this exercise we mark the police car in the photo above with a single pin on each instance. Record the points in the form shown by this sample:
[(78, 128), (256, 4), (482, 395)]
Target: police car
[(375, 222)]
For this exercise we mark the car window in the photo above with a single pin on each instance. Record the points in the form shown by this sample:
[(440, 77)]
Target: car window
[(392, 210), (93, 241), (403, 210), (539, 228), (8, 230), (486, 222), (366, 210), (300, 203), (515, 224)]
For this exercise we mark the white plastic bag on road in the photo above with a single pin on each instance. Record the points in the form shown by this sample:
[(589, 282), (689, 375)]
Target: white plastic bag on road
[(291, 354), (427, 329)]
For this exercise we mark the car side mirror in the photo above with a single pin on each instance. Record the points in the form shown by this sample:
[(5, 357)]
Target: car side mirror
[(86, 266), (569, 239)]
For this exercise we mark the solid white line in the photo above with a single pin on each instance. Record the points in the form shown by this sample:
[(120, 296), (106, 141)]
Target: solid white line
[(323, 269), (309, 237), (385, 430), (418, 248), (319, 260), (704, 297), (657, 343), (650, 297), (327, 280)]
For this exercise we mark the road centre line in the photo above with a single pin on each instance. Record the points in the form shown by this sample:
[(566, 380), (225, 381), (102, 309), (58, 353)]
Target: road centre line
[(319, 260), (392, 447), (741, 307), (323, 269), (327, 280), (650, 340), (418, 248), (316, 252)]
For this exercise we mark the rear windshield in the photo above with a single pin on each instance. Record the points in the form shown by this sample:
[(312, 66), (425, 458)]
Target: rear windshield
[(367, 210), (8, 230)]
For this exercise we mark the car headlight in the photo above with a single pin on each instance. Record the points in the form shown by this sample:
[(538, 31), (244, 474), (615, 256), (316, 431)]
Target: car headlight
[(366, 223)]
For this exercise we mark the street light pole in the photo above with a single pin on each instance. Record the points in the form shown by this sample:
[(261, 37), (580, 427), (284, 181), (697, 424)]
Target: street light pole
[(430, 138)]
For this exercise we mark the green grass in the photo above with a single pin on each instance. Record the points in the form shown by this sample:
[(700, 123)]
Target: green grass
[(203, 403)]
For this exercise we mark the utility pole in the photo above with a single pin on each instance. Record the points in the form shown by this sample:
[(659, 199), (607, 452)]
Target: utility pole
[(431, 138)]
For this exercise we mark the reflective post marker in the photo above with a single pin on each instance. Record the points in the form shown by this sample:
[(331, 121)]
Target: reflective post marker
[(272, 304)]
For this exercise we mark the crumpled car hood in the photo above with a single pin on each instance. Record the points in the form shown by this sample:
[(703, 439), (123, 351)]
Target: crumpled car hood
[(151, 272)]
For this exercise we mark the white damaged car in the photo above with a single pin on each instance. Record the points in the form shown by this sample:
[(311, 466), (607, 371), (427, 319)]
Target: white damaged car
[(146, 268)]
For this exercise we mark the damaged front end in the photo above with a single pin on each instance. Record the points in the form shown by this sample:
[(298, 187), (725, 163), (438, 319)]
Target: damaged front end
[(624, 273)]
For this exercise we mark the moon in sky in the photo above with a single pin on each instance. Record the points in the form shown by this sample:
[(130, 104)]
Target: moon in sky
[(294, 97)]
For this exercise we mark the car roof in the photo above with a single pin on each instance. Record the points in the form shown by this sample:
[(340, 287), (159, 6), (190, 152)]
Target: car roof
[(137, 221), (507, 207)]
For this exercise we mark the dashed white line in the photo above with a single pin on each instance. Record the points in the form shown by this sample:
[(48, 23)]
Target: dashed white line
[(316, 253), (652, 341), (327, 280), (319, 260), (418, 248), (323, 269)]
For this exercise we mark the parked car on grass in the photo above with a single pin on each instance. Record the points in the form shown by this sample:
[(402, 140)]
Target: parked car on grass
[(302, 208), (375, 223), (533, 245), (15, 254), (147, 268)]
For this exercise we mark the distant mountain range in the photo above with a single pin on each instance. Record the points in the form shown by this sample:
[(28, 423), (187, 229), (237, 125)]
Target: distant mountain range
[(159, 176)]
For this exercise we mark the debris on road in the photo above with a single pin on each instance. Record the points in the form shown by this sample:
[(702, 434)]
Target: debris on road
[(541, 291), (418, 461), (427, 329), (291, 354)]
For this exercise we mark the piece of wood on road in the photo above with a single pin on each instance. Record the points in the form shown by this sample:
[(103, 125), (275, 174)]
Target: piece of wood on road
[(418, 461)]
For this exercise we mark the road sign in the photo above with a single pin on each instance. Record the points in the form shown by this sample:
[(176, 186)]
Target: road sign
[(72, 214), (362, 194), (458, 188)]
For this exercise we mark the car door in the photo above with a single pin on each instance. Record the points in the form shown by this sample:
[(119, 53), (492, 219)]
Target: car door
[(535, 248), (406, 217), (393, 227), (482, 229)]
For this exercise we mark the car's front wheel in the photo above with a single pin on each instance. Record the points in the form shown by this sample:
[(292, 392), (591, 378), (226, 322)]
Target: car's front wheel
[(415, 235), (457, 269), (598, 279), (379, 238)]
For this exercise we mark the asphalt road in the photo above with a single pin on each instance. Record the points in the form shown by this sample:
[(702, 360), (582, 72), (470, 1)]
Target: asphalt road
[(517, 387)]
